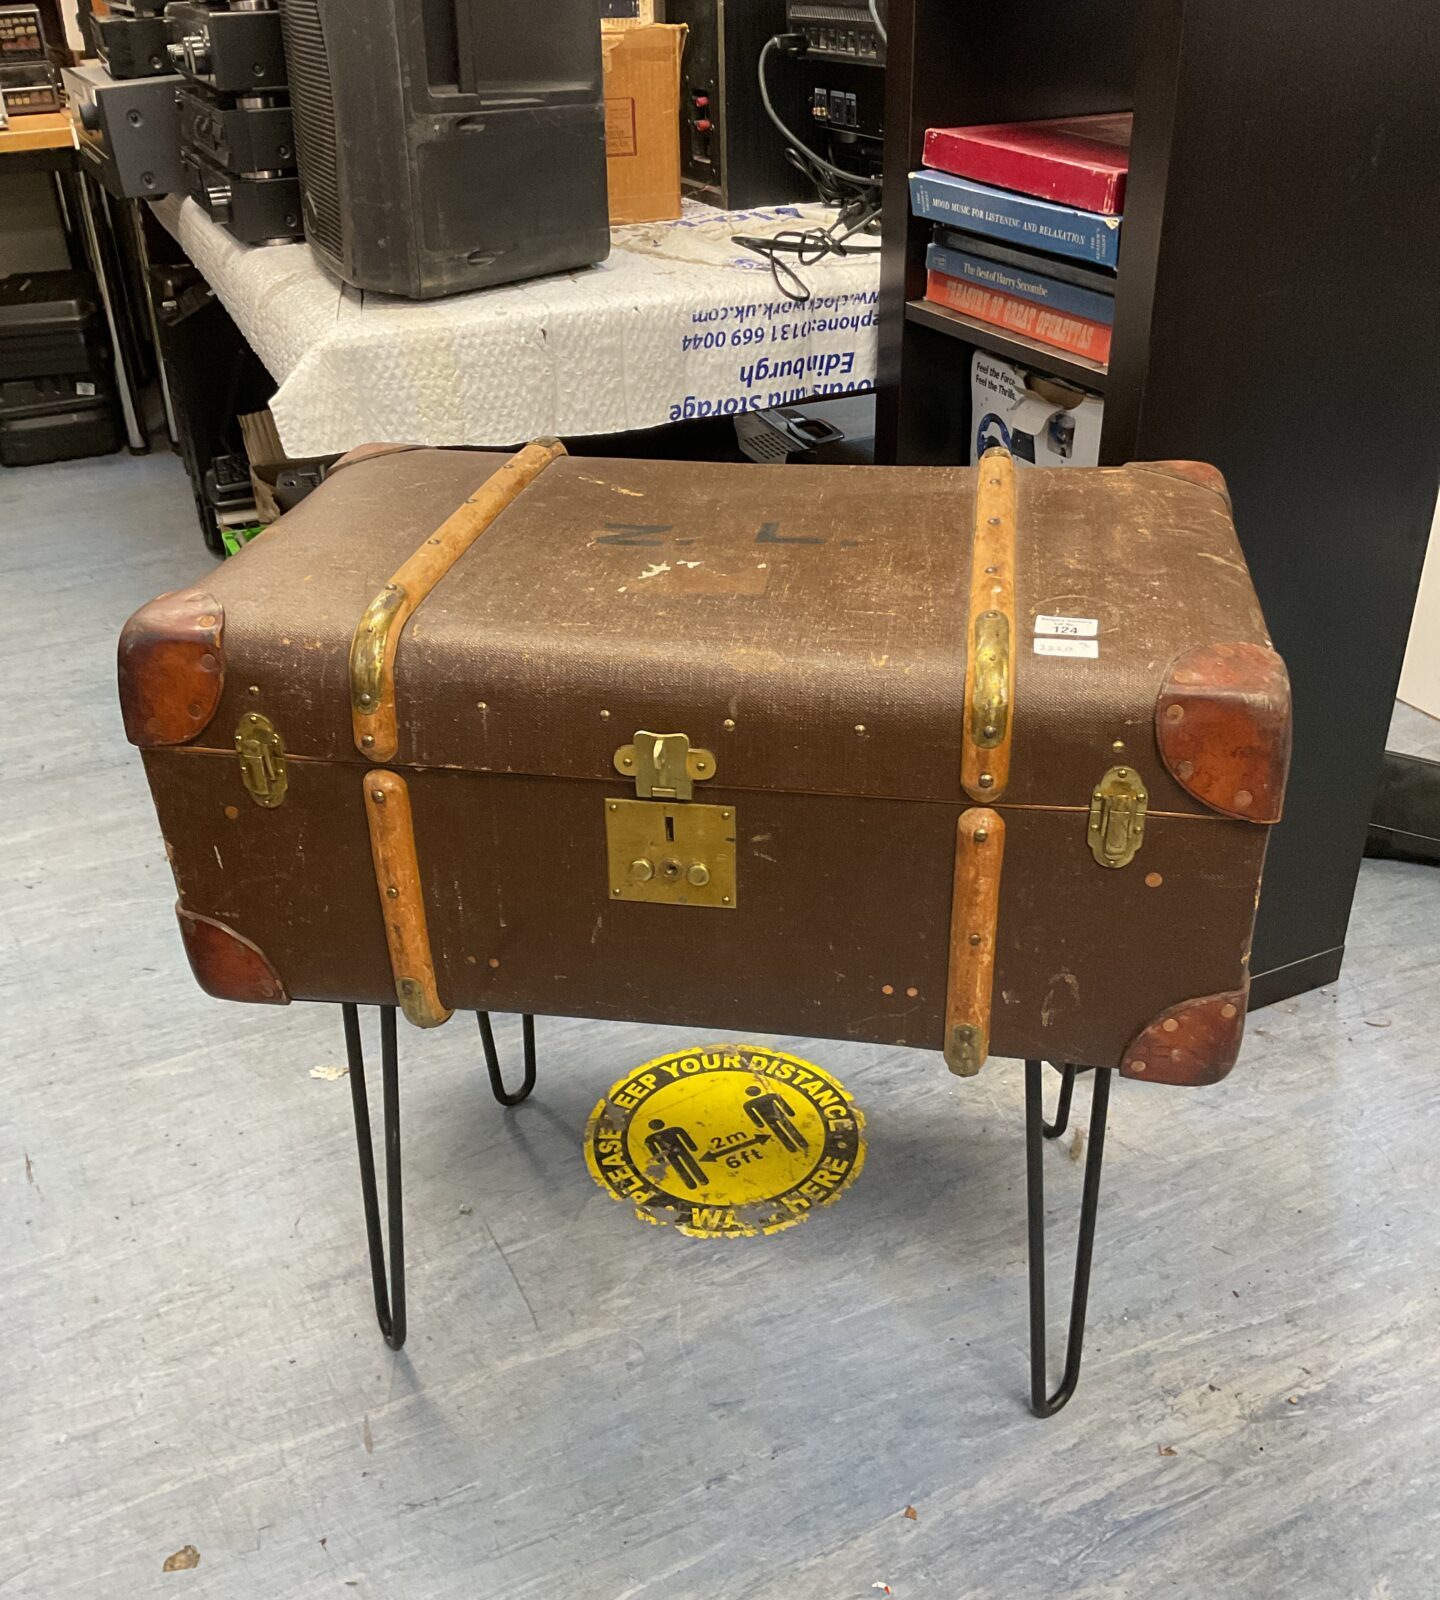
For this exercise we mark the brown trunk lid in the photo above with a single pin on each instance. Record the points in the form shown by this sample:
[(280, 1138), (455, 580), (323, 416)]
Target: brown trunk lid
[(807, 626)]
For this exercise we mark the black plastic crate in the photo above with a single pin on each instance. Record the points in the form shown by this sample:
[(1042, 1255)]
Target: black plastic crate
[(63, 431), (50, 324)]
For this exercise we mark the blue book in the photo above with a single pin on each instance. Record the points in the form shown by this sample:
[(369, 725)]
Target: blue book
[(1065, 298), (1021, 218)]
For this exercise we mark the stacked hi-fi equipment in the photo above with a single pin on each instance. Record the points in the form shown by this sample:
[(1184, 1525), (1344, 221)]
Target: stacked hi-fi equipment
[(27, 67), (127, 124), (131, 39), (236, 141)]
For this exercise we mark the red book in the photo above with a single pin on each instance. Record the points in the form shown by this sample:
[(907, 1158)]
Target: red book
[(1074, 161), (1078, 335)]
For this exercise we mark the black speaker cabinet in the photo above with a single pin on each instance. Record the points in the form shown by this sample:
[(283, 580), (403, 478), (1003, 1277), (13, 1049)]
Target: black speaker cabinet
[(731, 154), (449, 144)]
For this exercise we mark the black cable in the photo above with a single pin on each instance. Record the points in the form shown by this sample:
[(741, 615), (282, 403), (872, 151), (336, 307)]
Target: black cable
[(809, 245), (879, 26), (857, 198), (804, 149)]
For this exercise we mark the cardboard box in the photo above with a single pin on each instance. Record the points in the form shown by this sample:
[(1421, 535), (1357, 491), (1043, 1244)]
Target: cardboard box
[(1040, 421), (642, 121)]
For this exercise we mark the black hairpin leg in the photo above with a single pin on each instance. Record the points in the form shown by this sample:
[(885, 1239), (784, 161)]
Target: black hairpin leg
[(1042, 1402), (389, 1301), (492, 1060), (1053, 1130)]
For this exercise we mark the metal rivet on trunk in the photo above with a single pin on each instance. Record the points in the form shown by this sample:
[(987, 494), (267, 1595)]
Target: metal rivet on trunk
[(1175, 714), (728, 724), (1243, 798), (367, 739), (378, 796), (974, 938), (986, 781), (393, 892), (981, 835)]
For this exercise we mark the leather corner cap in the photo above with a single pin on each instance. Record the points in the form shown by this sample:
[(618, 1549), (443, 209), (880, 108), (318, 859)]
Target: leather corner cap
[(226, 964), (1193, 1043), (1222, 722), (171, 667), (1200, 473)]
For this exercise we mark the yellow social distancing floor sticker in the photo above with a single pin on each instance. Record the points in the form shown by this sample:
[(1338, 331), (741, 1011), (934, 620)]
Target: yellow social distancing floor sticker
[(726, 1142)]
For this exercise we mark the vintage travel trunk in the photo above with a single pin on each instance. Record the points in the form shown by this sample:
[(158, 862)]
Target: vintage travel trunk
[(969, 760)]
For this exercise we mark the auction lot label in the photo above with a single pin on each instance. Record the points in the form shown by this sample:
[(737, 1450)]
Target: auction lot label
[(726, 1142)]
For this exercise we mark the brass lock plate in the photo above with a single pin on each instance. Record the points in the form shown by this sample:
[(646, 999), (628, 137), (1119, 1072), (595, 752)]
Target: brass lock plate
[(672, 854)]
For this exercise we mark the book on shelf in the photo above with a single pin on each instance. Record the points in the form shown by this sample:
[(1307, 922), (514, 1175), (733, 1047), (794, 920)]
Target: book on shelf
[(1022, 283), (1077, 335), (1018, 218), (1073, 161), (1070, 271)]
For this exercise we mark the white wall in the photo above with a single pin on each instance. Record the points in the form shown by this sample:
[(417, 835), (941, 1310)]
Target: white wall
[(1420, 677)]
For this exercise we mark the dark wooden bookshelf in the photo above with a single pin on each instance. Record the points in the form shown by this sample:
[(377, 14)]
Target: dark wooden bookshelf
[(1272, 316)]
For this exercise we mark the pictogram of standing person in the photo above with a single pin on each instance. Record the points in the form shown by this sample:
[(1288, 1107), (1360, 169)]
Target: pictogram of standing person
[(770, 1111), (675, 1146)]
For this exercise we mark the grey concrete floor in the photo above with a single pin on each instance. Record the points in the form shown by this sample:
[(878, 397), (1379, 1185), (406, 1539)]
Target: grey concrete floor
[(591, 1407)]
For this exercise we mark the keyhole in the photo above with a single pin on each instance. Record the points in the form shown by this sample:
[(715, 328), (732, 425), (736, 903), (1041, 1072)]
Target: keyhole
[(669, 830)]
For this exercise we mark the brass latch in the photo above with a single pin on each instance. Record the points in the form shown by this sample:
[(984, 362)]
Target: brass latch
[(262, 759), (662, 847), (1117, 817), (663, 765)]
